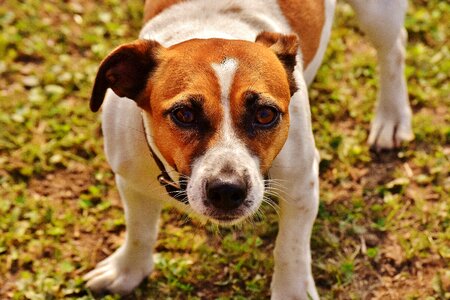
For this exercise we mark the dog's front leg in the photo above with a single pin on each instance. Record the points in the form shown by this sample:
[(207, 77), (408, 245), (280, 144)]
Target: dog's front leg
[(296, 168), (124, 269), (292, 277)]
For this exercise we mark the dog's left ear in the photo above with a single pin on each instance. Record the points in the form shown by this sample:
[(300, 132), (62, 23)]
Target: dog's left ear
[(126, 71), (285, 46)]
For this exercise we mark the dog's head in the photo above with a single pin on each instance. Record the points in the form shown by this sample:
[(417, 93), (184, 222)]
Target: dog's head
[(219, 110)]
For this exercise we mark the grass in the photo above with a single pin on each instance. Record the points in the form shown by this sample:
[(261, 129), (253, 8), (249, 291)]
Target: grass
[(383, 225)]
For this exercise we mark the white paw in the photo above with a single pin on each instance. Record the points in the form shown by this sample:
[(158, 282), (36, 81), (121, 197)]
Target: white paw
[(119, 273), (290, 288), (283, 295), (390, 130)]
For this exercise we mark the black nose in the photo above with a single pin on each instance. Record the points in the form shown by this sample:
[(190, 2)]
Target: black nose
[(226, 195)]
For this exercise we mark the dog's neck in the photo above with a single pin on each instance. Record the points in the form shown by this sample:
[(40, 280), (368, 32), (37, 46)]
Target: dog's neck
[(215, 19)]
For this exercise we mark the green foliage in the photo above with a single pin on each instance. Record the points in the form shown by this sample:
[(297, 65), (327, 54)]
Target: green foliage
[(383, 223)]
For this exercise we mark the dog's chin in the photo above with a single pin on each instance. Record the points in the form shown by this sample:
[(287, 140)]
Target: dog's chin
[(227, 218), (226, 221)]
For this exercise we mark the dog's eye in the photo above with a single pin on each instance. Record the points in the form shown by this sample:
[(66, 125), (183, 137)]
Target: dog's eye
[(266, 116), (183, 116)]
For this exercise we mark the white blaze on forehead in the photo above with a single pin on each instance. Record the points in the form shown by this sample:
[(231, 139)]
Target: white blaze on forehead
[(225, 72)]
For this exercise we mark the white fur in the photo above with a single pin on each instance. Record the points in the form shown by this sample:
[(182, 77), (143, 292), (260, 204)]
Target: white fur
[(123, 271), (382, 21), (187, 21), (297, 163), (297, 167), (229, 152)]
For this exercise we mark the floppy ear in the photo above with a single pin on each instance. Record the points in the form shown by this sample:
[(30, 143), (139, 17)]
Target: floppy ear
[(285, 46), (126, 71)]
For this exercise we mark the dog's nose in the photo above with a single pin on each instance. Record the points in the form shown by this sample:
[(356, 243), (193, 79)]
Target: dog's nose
[(226, 195)]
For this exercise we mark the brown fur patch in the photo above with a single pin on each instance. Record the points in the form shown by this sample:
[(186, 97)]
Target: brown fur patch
[(285, 47), (235, 9), (306, 18)]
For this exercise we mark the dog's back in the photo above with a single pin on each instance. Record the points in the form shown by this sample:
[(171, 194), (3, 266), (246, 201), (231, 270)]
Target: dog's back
[(306, 18)]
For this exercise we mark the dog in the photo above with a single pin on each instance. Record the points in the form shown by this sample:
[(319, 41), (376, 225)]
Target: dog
[(210, 100)]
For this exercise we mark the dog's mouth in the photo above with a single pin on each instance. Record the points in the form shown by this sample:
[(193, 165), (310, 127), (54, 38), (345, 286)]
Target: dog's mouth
[(229, 218), (227, 221)]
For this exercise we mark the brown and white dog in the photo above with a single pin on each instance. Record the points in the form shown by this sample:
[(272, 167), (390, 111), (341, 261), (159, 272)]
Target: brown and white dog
[(215, 93)]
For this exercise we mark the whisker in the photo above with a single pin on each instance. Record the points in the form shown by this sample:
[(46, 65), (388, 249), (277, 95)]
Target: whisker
[(272, 204)]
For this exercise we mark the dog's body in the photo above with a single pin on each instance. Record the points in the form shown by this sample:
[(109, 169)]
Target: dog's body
[(204, 82)]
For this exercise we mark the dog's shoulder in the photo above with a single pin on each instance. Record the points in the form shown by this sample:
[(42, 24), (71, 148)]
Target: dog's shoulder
[(307, 19)]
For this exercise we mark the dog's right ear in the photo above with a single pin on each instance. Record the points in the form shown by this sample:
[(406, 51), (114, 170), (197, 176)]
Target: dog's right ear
[(126, 71), (285, 46)]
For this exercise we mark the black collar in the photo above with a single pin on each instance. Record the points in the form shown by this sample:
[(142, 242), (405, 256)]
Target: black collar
[(175, 190)]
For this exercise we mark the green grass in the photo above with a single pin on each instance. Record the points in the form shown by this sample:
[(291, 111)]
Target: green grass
[(383, 225)]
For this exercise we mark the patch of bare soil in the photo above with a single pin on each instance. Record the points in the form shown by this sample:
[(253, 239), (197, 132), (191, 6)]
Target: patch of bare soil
[(400, 277), (63, 184)]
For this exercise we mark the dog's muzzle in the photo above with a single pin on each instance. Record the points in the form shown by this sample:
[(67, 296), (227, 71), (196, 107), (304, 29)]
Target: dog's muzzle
[(226, 195)]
